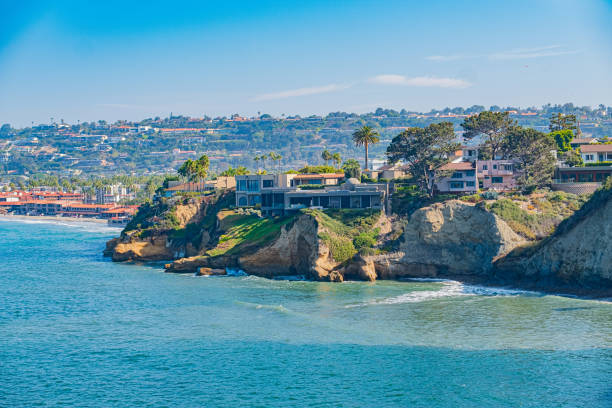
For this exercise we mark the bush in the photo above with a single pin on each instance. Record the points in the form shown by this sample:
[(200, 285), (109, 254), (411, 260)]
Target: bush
[(364, 240), (474, 198), (489, 195)]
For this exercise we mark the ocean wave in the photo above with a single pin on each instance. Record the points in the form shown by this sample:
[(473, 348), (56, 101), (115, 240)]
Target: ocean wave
[(277, 308), (87, 226), (449, 289)]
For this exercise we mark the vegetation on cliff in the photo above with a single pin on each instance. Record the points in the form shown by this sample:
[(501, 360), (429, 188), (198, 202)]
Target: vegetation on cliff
[(240, 230), (347, 232)]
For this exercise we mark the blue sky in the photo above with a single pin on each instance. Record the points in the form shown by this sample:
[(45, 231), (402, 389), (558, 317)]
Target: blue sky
[(111, 60)]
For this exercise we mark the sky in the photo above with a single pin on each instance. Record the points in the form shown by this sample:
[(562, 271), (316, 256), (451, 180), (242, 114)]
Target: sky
[(84, 61)]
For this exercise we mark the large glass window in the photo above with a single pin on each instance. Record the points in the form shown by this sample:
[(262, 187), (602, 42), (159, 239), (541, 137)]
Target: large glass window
[(242, 185), (456, 184), (470, 173), (497, 180), (585, 177), (457, 175), (252, 185), (268, 183)]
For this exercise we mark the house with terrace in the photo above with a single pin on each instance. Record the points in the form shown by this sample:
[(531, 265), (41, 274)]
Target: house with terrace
[(279, 194)]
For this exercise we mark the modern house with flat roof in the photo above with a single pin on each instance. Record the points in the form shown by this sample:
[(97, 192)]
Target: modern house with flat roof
[(580, 180), (276, 195)]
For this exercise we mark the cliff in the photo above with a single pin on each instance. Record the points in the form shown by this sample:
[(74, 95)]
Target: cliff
[(577, 257), (170, 229), (452, 239), (448, 239)]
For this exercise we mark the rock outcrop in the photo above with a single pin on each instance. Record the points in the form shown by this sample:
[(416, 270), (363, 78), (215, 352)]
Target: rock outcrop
[(294, 252), (448, 239), (576, 258), (129, 247)]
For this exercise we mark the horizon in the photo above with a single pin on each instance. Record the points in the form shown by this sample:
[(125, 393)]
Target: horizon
[(112, 61)]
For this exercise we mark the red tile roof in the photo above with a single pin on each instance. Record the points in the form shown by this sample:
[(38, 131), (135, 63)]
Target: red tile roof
[(596, 148), (458, 166)]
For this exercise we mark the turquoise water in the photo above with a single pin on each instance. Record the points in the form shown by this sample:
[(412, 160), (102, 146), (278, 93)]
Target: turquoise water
[(78, 330)]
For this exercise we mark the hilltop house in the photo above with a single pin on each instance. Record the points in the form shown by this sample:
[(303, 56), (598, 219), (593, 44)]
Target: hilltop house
[(594, 153), (462, 180), (280, 194), (220, 183)]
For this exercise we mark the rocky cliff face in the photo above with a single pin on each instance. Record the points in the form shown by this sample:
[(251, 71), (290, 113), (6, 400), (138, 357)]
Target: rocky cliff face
[(448, 239), (577, 257), (162, 244)]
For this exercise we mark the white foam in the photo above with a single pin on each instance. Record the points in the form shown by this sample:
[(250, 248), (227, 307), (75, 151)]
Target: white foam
[(449, 289)]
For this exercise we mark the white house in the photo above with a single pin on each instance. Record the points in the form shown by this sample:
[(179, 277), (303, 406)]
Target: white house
[(594, 153)]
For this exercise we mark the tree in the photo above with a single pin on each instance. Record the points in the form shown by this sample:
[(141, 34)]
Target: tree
[(352, 169), (230, 172), (559, 121), (326, 156), (276, 157), (572, 158), (257, 159), (195, 170), (337, 159), (562, 139), (533, 153), (364, 137), (424, 150), (493, 125)]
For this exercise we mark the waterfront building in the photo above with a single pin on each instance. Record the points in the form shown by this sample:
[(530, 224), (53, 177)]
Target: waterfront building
[(281, 194)]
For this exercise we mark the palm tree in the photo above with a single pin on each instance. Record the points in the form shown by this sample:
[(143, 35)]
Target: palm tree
[(364, 137), (263, 158), (256, 158), (276, 157), (337, 159), (327, 156)]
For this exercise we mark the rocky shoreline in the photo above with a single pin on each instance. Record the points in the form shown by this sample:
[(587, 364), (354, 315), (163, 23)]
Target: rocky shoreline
[(449, 240)]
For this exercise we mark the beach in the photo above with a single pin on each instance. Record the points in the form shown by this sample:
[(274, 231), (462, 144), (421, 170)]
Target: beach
[(48, 218)]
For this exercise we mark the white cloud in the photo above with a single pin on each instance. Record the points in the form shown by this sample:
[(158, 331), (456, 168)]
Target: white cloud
[(517, 53), (539, 52), (391, 79), (300, 92), (444, 58)]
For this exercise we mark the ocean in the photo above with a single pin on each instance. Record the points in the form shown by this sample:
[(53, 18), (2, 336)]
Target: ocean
[(79, 330)]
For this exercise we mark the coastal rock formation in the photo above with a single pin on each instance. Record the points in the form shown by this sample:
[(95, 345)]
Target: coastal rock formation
[(448, 239), (294, 252), (131, 248), (577, 256)]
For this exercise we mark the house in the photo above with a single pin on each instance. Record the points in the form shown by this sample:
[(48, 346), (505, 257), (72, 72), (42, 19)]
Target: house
[(325, 179), (392, 171), (279, 194), (580, 180), (496, 175), (221, 182), (579, 142), (594, 153), (462, 180)]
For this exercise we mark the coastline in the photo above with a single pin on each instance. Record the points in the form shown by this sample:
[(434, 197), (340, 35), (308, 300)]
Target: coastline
[(47, 218)]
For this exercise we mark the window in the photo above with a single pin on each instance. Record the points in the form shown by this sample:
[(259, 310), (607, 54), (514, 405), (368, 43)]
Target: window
[(268, 183), (609, 156), (470, 173), (485, 167), (456, 184), (508, 167), (585, 177), (495, 167), (252, 185), (469, 184), (457, 175), (497, 180), (242, 201), (588, 157)]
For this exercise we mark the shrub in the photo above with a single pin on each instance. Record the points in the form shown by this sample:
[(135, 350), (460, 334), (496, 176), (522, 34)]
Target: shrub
[(489, 195), (364, 240)]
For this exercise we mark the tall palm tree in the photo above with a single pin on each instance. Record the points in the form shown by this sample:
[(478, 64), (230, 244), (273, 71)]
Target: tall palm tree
[(276, 157), (337, 159), (256, 158), (327, 156), (365, 136)]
